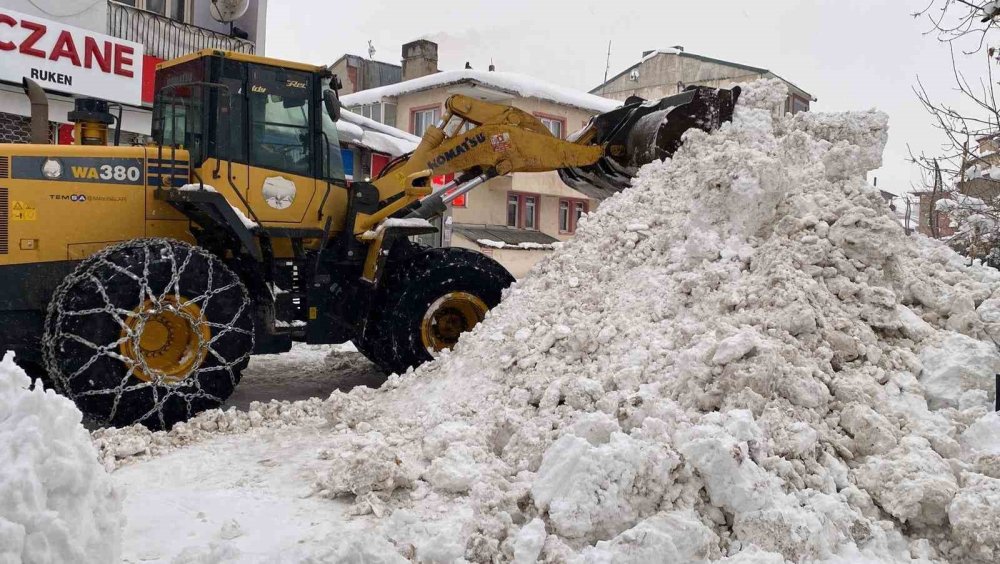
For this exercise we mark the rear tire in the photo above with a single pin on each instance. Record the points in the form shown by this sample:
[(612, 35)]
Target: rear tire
[(150, 331), (427, 300)]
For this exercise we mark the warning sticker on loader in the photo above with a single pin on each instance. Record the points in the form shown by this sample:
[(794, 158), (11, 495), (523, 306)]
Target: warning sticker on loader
[(500, 142), (21, 211)]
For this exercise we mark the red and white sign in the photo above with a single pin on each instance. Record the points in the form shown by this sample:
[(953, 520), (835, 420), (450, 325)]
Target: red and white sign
[(69, 59)]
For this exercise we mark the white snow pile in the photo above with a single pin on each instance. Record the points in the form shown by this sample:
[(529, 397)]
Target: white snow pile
[(742, 357), (118, 446), (56, 502)]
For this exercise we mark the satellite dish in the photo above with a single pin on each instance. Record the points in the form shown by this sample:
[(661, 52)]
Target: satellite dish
[(226, 11)]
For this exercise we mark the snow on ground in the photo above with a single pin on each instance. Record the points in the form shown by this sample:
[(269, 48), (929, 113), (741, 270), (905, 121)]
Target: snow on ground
[(309, 371), (56, 502), (276, 391)]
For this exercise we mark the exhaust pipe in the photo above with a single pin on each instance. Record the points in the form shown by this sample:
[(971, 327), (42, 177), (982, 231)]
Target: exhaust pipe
[(39, 112)]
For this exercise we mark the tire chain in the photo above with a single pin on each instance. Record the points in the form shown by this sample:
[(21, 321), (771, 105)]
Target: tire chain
[(161, 390)]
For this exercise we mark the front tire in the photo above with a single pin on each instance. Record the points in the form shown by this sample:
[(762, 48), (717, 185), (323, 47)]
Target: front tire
[(150, 331), (428, 300)]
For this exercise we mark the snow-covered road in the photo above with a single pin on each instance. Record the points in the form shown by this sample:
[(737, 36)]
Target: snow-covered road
[(307, 371), (229, 497), (233, 499)]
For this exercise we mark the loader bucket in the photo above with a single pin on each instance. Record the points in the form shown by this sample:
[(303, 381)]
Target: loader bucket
[(643, 131)]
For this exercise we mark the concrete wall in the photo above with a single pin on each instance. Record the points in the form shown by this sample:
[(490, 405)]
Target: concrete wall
[(659, 76), (253, 22), (94, 14), (420, 58)]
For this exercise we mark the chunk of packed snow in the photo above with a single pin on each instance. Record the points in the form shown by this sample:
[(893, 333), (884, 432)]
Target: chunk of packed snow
[(369, 133), (956, 365), (524, 245), (57, 503), (246, 221)]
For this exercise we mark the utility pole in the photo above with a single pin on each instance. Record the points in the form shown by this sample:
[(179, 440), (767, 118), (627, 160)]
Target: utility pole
[(607, 67), (932, 212)]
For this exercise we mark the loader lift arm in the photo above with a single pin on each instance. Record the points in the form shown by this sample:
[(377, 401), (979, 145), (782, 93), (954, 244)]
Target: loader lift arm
[(505, 140), (599, 161)]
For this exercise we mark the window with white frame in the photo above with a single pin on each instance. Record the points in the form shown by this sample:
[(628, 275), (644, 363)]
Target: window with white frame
[(513, 210), (422, 119), (570, 212), (178, 10), (522, 210), (581, 208), (376, 111), (530, 212), (555, 125)]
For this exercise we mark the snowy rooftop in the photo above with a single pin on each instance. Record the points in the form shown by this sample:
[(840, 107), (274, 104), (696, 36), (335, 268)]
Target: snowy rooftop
[(379, 137), (512, 83)]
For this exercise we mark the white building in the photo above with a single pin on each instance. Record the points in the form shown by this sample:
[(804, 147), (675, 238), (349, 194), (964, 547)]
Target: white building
[(105, 49)]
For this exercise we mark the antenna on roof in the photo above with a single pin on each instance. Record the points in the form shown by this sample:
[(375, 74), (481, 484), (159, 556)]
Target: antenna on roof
[(371, 50), (607, 67)]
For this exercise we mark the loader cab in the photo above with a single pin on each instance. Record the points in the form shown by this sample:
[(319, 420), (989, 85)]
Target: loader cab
[(252, 125)]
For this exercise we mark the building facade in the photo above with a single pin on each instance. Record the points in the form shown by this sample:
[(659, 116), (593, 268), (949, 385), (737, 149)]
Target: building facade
[(358, 73), (931, 222), (515, 218), (666, 72), (105, 49), (980, 179)]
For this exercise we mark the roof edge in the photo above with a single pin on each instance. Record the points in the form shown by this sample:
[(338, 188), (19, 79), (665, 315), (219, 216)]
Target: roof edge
[(707, 60)]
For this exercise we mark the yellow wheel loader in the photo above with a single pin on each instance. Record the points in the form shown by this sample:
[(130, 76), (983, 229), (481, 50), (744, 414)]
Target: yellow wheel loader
[(139, 280)]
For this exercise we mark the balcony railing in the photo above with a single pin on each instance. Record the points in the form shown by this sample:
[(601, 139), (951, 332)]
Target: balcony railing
[(165, 38)]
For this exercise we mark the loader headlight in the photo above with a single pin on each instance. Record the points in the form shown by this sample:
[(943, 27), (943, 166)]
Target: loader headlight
[(52, 169)]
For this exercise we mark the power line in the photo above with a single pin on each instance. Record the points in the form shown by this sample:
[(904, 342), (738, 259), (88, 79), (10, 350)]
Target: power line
[(48, 13)]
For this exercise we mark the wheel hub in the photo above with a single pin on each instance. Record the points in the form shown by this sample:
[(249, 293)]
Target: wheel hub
[(165, 340), (450, 316)]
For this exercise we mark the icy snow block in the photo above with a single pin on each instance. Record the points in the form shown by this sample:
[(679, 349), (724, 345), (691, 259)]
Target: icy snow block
[(955, 366), (57, 504)]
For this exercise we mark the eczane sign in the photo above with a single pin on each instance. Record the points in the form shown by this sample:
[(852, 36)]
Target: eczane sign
[(69, 59)]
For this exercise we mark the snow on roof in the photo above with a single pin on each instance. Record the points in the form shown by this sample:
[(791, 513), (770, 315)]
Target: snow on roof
[(656, 52), (376, 136), (509, 82)]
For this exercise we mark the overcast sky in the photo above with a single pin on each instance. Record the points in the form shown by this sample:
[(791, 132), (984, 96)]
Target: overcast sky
[(850, 54)]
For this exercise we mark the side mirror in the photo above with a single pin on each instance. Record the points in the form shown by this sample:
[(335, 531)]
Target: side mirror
[(332, 103)]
